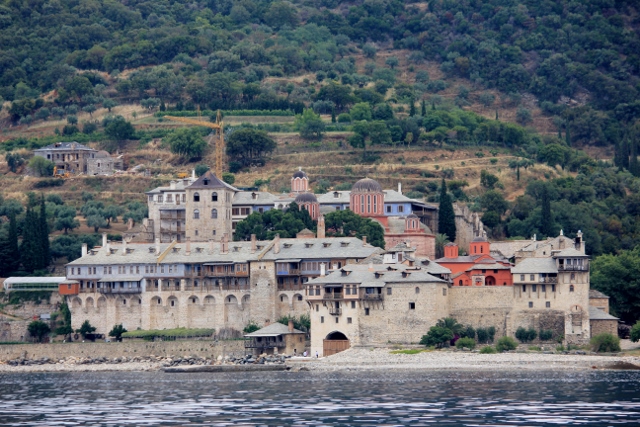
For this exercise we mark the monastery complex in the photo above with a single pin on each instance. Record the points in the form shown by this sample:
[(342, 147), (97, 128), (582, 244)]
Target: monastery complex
[(182, 269)]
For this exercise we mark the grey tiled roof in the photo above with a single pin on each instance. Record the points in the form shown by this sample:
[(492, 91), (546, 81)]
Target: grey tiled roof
[(214, 182), (593, 293), (508, 248), (329, 198), (273, 329), (378, 276), (246, 198), (535, 265), (570, 252), (597, 314), (330, 247), (433, 267), (66, 146), (179, 186)]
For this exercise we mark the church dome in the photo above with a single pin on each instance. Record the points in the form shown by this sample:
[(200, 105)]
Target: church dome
[(306, 198), (299, 174), (366, 185)]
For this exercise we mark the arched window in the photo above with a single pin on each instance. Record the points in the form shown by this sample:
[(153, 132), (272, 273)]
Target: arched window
[(361, 204), (214, 197), (214, 213), (481, 249), (196, 197), (417, 290), (573, 276), (196, 214), (571, 288), (460, 283)]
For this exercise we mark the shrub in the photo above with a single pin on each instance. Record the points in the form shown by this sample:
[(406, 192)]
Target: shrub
[(469, 332), (488, 350), (534, 348), (437, 336), (545, 335), (526, 335), (635, 332), (491, 331), (469, 343), (506, 344), (344, 118), (605, 343), (48, 183), (483, 335), (251, 327)]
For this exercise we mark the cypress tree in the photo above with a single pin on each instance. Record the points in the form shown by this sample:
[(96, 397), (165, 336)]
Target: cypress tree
[(518, 173), (29, 252), (634, 167), (547, 220), (333, 115), (497, 118), (12, 244), (624, 154), (567, 134), (423, 108), (446, 214), (43, 234), (412, 108)]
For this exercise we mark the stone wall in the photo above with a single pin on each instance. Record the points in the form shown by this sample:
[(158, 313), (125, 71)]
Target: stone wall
[(604, 326), (204, 348), (468, 226)]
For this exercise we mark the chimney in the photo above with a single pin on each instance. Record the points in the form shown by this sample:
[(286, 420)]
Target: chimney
[(158, 245), (104, 240), (276, 244), (225, 244), (400, 187), (321, 227), (124, 247), (267, 322), (335, 266), (188, 250), (108, 247), (130, 223), (290, 326), (211, 245), (172, 185), (84, 249), (364, 240), (193, 174), (322, 269), (253, 243)]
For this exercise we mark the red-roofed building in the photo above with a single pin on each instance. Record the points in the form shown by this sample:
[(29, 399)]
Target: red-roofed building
[(479, 268)]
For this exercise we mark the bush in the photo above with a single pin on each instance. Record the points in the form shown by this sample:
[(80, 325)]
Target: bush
[(506, 344), (48, 183), (469, 332), (483, 335), (605, 343), (469, 343), (251, 327), (491, 331), (344, 118), (437, 336), (545, 335), (635, 332), (488, 350), (526, 335)]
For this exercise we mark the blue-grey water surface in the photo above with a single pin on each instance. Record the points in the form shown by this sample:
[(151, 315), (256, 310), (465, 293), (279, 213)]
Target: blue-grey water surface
[(466, 398)]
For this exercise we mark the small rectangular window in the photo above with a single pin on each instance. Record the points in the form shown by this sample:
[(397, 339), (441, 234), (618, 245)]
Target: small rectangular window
[(321, 319), (337, 319), (524, 288), (388, 291), (353, 304), (349, 320), (532, 277), (444, 292), (544, 288), (548, 304), (522, 277), (317, 307), (534, 288), (553, 288), (412, 306), (530, 304), (366, 311)]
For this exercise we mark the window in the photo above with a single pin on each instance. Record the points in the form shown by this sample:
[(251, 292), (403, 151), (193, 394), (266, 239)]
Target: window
[(321, 319), (196, 214), (151, 198), (532, 277), (366, 311), (573, 276), (400, 209), (530, 304), (548, 304), (571, 288), (553, 288), (388, 291), (544, 288), (196, 197), (444, 292), (353, 304), (417, 290), (169, 198), (196, 232), (337, 319), (533, 288), (349, 320), (522, 277), (459, 282), (160, 198), (524, 288), (412, 306), (388, 209), (214, 197), (317, 307), (214, 213)]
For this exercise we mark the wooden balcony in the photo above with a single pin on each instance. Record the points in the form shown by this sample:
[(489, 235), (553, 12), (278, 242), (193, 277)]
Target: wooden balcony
[(372, 297), (335, 311)]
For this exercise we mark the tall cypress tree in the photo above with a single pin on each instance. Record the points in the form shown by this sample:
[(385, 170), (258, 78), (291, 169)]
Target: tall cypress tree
[(624, 154), (43, 234), (412, 108), (29, 251), (547, 220), (423, 108), (567, 134), (446, 214), (12, 244)]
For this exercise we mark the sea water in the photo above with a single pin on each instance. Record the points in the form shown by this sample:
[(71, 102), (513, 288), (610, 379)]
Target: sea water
[(372, 398)]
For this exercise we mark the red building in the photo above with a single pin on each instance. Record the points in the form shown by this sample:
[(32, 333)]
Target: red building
[(478, 268)]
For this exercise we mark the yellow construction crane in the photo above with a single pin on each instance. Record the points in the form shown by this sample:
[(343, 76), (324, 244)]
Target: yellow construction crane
[(219, 130)]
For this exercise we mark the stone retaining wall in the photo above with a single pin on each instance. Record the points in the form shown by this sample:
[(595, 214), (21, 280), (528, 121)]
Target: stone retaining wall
[(204, 348)]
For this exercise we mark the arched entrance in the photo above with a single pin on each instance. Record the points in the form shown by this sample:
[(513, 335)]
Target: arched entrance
[(334, 343), (490, 281)]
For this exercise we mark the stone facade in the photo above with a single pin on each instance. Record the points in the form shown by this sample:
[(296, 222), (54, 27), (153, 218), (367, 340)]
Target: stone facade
[(208, 209), (69, 157)]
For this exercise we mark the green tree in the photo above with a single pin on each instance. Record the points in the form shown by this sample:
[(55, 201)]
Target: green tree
[(360, 111), (506, 344), (546, 226), (441, 242), (14, 161), (201, 169), (43, 232), (249, 146), (347, 223), (65, 219), (392, 62), (488, 180), (41, 166), (618, 276), (186, 142), (85, 329), (309, 124), (229, 178), (452, 324), (38, 330), (446, 214), (117, 332), (635, 332), (119, 129), (30, 254), (605, 343), (437, 336)]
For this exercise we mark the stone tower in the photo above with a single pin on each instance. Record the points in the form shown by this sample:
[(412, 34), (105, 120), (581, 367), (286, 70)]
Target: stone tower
[(208, 208)]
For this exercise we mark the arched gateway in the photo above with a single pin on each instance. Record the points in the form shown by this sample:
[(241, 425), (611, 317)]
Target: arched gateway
[(334, 343)]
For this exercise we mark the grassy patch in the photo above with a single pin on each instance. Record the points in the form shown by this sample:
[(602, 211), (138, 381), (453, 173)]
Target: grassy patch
[(170, 333), (409, 351)]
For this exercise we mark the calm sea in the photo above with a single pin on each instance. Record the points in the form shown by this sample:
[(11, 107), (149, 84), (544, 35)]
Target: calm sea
[(469, 398)]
